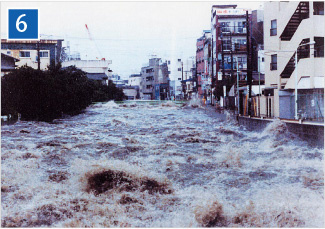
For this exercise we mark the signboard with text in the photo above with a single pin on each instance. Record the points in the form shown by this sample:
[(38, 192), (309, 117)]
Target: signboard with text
[(231, 11)]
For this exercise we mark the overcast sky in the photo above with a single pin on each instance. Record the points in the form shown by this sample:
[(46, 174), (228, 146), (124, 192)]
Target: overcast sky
[(128, 33)]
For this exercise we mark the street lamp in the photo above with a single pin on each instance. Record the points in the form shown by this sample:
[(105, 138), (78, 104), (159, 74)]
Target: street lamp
[(296, 77)]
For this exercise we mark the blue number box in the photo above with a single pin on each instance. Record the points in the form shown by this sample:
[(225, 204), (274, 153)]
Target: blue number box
[(23, 24)]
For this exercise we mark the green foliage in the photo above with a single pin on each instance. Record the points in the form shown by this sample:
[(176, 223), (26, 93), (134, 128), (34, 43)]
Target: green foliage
[(46, 95)]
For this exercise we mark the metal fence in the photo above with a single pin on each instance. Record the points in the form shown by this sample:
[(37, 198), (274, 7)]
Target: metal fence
[(311, 107)]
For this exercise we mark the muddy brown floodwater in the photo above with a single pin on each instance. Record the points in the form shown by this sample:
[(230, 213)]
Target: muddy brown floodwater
[(163, 165)]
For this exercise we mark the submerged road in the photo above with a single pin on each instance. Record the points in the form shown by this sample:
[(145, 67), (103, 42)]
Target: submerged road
[(163, 165)]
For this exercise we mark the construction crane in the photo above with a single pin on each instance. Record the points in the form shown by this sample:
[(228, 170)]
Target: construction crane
[(92, 39)]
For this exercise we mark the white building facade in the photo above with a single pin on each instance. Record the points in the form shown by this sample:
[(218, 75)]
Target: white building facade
[(294, 35), (96, 69), (175, 71)]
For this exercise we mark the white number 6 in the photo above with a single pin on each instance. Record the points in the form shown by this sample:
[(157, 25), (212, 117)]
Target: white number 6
[(21, 22)]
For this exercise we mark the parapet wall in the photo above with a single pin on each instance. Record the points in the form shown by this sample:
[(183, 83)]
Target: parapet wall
[(312, 133)]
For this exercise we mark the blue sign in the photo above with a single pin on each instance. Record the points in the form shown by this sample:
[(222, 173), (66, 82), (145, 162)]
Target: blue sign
[(23, 24)]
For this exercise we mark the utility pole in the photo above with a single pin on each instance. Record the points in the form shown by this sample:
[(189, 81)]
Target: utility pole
[(183, 89), (231, 56), (249, 65), (223, 69), (231, 61), (259, 87), (38, 56), (237, 86), (211, 64)]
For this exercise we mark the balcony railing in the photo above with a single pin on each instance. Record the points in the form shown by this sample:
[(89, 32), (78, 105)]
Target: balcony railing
[(233, 30), (241, 65), (235, 48)]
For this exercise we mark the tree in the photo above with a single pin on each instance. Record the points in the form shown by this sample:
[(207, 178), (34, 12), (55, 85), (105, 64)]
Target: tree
[(46, 95)]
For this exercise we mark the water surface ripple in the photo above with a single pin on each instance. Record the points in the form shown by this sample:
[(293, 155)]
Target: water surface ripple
[(163, 165)]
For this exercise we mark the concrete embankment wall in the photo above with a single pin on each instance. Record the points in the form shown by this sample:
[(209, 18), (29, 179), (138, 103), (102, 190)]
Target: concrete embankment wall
[(313, 134)]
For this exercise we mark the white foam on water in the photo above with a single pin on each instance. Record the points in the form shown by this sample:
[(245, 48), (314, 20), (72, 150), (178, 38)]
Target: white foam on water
[(217, 174), (195, 103)]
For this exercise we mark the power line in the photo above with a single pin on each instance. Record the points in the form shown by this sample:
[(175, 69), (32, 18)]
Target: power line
[(119, 39)]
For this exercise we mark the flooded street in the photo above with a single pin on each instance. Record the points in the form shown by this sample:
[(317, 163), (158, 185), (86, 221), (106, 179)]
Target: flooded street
[(163, 165)]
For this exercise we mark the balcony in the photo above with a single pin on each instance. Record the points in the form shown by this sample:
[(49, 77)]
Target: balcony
[(241, 66), (234, 48), (233, 30)]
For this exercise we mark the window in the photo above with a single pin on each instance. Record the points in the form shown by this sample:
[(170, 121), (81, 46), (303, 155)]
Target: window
[(24, 54), (179, 69), (44, 54), (149, 78), (240, 45), (319, 47), (262, 59), (274, 61), (240, 27), (273, 30), (225, 26), (168, 72), (318, 8), (9, 52), (169, 62), (227, 45), (179, 60), (179, 78)]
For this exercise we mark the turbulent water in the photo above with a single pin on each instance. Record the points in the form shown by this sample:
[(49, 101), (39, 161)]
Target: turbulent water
[(163, 165)]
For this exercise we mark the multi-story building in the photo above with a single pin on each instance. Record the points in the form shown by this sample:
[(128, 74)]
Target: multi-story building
[(117, 80), (132, 89), (134, 80), (175, 71), (294, 60), (189, 78), (8, 63), (30, 52), (95, 69), (203, 70), (155, 80), (228, 27)]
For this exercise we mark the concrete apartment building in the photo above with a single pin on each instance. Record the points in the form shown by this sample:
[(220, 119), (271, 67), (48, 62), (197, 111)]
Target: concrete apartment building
[(27, 51), (175, 71), (134, 80), (203, 70), (294, 32), (155, 80), (228, 49), (189, 78), (132, 89), (96, 69)]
